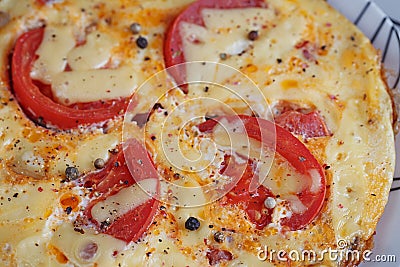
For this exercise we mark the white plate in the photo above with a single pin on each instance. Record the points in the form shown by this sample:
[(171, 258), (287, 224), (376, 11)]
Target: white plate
[(384, 35)]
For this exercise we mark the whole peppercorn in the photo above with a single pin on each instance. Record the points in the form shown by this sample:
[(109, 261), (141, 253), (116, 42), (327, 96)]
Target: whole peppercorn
[(141, 42), (71, 173), (99, 163), (270, 203), (253, 35), (223, 56), (135, 28), (192, 224)]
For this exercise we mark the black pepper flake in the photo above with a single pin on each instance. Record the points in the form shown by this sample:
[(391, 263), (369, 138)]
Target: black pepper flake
[(253, 35), (141, 42), (104, 224), (192, 224), (15, 195), (99, 163), (219, 237), (158, 106), (71, 173), (79, 230), (206, 89), (279, 60), (153, 137), (68, 210), (327, 167)]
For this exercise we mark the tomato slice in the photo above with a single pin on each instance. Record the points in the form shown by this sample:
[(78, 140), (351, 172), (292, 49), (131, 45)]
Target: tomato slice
[(295, 152), (41, 108), (252, 202), (173, 48), (116, 176), (308, 125)]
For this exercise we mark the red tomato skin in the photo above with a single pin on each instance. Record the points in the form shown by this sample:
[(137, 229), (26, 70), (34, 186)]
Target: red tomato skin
[(39, 107), (173, 46), (294, 151), (252, 202), (308, 125), (111, 179)]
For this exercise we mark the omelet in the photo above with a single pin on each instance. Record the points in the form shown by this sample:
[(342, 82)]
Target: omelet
[(181, 133)]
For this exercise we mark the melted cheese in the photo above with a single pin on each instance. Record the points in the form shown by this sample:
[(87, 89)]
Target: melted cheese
[(34, 245), (83, 86), (85, 82), (52, 53), (71, 243), (125, 200), (93, 54)]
